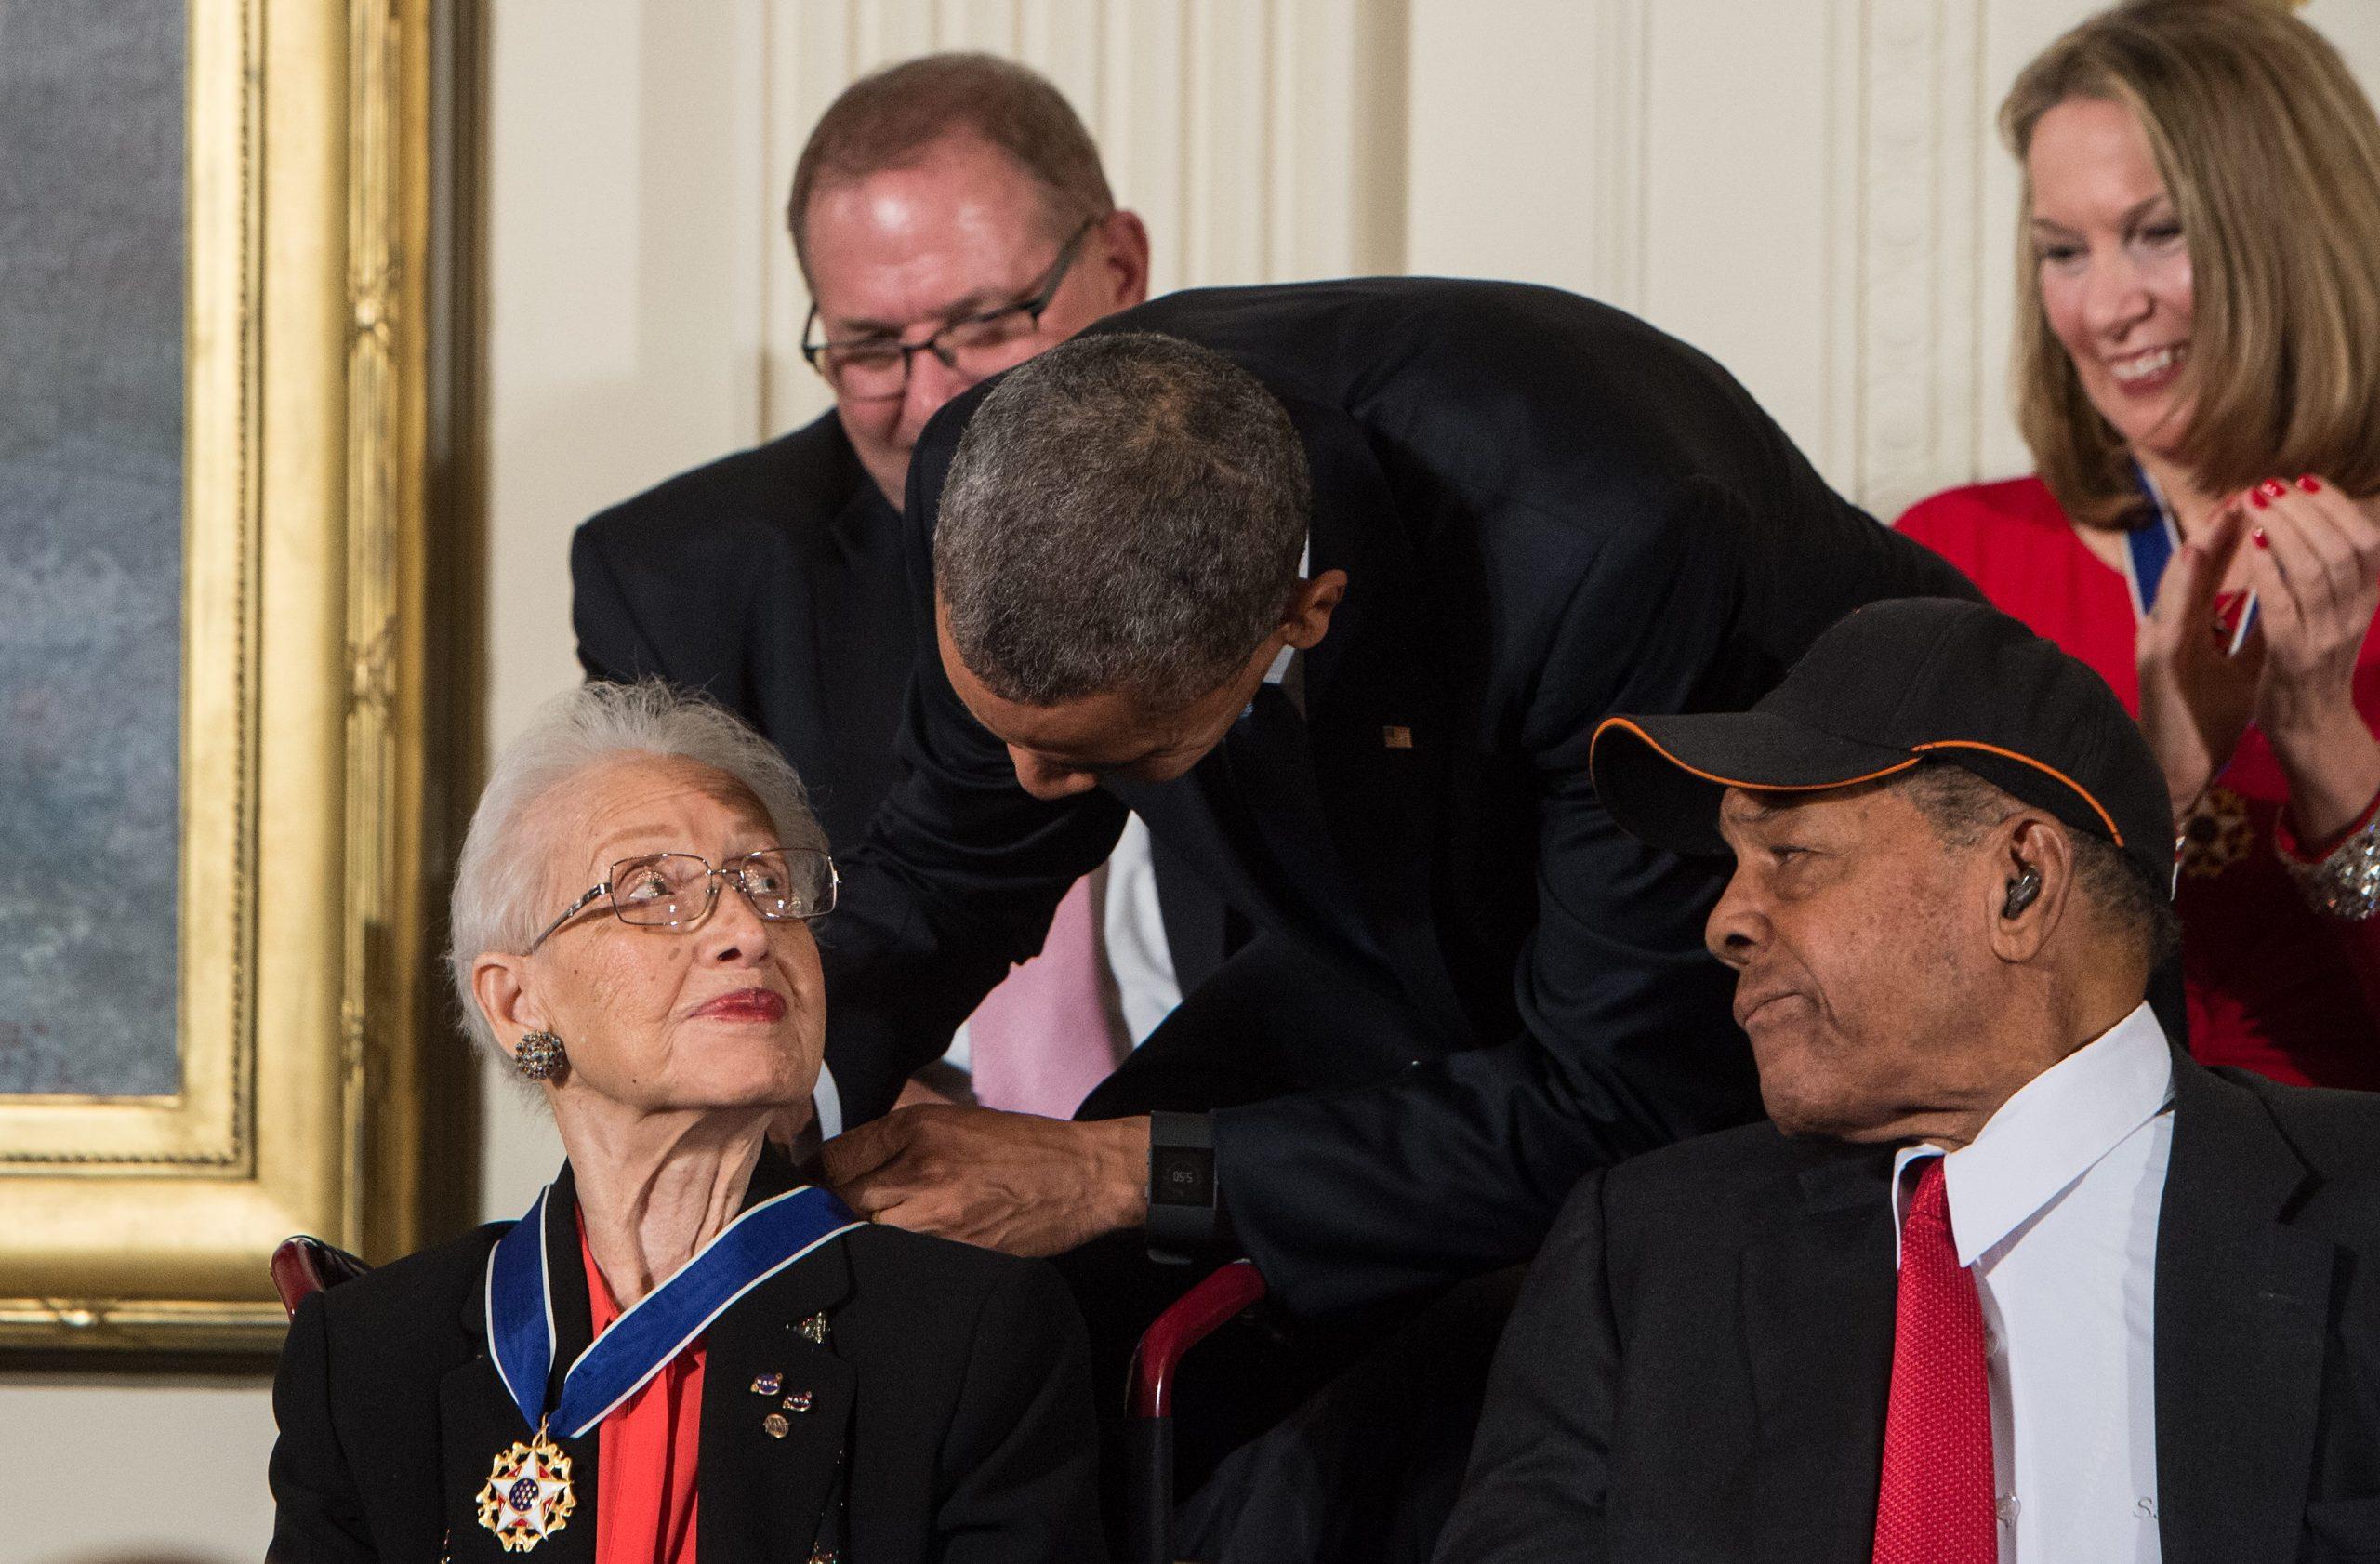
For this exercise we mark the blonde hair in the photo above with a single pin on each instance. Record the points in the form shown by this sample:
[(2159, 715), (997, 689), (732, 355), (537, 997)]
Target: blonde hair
[(2272, 157)]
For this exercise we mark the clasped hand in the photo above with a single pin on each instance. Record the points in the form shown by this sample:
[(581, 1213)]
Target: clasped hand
[(2314, 564), (1014, 1181)]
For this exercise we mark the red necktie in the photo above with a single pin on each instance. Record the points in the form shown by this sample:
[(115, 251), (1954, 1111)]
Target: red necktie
[(1935, 1505), (1044, 1037)]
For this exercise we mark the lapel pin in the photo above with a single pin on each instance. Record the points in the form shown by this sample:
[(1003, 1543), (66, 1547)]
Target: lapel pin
[(816, 1329), (824, 1556), (1395, 737), (776, 1425), (798, 1401), (767, 1383)]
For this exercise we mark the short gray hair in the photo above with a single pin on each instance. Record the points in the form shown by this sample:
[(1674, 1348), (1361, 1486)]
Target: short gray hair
[(500, 875), (1124, 512), (1963, 807)]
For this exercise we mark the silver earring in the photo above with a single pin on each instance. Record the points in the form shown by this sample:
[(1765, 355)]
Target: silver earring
[(539, 1056)]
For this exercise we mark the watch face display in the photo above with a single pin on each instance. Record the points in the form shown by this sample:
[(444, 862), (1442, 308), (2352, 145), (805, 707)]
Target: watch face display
[(1182, 1175)]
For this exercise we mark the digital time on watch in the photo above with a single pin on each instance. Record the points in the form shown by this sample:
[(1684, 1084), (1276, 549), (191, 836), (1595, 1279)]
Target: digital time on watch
[(1182, 1186)]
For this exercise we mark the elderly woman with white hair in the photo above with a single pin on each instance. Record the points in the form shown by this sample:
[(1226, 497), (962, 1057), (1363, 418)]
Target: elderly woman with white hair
[(682, 1349)]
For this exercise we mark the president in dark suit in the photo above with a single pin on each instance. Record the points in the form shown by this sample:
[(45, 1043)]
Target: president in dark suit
[(2009, 1276), (1331, 583)]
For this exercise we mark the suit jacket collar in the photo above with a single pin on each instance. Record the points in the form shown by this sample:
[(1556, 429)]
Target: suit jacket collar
[(766, 1496), (763, 1496), (1818, 1293), (2242, 1321)]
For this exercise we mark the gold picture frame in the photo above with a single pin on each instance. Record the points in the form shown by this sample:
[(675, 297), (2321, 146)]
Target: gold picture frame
[(147, 1223)]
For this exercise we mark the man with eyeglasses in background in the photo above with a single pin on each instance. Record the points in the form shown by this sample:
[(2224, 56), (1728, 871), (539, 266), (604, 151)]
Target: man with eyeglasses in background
[(951, 218)]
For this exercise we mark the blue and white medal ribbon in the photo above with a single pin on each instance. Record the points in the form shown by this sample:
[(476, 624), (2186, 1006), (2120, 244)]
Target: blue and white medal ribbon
[(654, 1329), (2150, 548)]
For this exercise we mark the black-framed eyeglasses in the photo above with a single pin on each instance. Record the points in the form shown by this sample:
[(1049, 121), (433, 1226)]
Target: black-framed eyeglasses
[(678, 890), (877, 368)]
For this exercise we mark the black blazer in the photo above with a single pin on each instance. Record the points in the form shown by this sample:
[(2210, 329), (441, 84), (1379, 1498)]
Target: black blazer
[(1699, 1365), (773, 581), (770, 581), (1548, 512), (957, 1381)]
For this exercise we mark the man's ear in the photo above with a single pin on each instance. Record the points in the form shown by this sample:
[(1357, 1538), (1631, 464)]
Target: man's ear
[(1305, 619), (1126, 261), (498, 983), (2032, 891)]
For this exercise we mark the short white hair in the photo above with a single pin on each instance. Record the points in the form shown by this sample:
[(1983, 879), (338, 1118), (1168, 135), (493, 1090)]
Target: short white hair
[(500, 876)]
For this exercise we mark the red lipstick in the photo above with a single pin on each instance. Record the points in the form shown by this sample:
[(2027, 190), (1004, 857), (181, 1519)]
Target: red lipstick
[(744, 1004)]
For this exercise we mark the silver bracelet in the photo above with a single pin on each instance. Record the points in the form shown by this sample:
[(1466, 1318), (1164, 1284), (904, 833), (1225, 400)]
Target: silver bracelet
[(2347, 883)]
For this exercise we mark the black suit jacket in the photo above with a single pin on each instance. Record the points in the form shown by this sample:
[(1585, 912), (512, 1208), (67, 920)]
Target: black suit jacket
[(1699, 1365), (958, 1382), (770, 581), (773, 581), (1548, 512)]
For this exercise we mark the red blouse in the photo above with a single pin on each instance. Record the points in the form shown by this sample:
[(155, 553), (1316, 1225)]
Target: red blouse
[(2273, 985), (645, 1464)]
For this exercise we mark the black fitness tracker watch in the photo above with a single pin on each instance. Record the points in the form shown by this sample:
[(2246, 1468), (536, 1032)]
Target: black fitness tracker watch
[(1182, 1186)]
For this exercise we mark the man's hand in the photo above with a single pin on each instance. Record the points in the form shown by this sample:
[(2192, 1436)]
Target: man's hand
[(1013, 1181)]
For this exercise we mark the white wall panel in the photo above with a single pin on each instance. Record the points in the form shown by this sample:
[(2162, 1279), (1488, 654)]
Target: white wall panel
[(1740, 139), (1814, 193), (624, 276), (1521, 136)]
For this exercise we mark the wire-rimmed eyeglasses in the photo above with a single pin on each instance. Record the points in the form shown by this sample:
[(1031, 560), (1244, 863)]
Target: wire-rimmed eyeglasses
[(875, 369), (678, 890)]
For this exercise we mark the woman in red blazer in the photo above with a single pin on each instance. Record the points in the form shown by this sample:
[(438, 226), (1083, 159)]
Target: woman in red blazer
[(2198, 375)]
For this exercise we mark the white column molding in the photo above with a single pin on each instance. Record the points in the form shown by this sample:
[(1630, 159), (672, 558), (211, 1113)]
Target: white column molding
[(1920, 132), (1618, 161)]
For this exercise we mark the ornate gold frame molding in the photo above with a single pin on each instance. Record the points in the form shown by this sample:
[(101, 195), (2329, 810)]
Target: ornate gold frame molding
[(146, 1223)]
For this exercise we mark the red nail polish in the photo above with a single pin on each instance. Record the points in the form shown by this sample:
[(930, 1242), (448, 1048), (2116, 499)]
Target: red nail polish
[(2256, 497), (2271, 488), (2310, 483), (2258, 539)]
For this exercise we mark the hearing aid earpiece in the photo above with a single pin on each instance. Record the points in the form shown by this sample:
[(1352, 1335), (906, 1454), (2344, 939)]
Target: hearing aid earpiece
[(2021, 893)]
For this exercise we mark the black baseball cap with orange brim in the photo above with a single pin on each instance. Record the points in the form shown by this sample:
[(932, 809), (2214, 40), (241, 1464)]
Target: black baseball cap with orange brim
[(1901, 683)]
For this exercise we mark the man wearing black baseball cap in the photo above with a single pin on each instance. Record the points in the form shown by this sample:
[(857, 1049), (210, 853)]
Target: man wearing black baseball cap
[(2008, 1276)]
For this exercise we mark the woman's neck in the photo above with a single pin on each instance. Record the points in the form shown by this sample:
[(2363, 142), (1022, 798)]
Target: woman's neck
[(653, 1188)]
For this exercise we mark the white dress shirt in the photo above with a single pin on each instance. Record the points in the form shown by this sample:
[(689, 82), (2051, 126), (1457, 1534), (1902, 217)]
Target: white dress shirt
[(1131, 931), (2053, 1207)]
